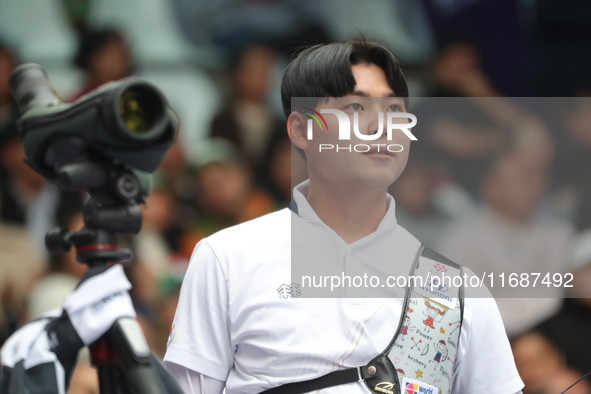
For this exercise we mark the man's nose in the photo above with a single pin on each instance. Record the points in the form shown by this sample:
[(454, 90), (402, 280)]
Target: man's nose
[(375, 123)]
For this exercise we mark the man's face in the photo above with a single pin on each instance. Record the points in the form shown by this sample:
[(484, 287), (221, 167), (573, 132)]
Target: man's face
[(349, 168)]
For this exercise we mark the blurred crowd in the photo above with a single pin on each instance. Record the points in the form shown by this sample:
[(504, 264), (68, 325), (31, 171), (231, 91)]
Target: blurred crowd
[(494, 181)]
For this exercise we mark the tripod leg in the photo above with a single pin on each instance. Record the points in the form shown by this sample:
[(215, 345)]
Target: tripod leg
[(105, 359), (108, 380), (135, 358)]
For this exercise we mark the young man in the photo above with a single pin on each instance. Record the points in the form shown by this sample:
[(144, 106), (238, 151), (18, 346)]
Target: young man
[(235, 328)]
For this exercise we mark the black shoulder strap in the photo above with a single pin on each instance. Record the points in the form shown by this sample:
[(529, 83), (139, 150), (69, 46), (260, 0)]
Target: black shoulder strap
[(336, 378)]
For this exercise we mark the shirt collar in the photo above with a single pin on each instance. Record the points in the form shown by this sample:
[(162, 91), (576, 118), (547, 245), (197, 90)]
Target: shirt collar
[(300, 206)]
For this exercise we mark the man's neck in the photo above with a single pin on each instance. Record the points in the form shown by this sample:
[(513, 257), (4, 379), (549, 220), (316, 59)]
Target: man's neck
[(352, 214)]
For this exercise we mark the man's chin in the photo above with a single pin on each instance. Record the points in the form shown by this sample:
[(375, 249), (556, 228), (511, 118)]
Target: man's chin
[(379, 182)]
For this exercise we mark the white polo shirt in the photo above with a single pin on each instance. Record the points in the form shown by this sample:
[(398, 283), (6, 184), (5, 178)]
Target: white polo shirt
[(234, 322)]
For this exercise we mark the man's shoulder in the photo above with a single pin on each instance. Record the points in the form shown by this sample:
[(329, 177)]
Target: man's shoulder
[(405, 237), (264, 230), (259, 247)]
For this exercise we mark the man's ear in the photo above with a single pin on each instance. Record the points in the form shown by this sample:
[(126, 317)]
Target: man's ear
[(297, 129)]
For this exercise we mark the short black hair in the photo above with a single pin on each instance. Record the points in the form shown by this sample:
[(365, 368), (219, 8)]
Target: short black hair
[(324, 70)]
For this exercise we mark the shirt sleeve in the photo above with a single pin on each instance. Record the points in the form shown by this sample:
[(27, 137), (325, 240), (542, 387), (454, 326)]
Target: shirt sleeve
[(199, 338), (485, 363), (192, 382)]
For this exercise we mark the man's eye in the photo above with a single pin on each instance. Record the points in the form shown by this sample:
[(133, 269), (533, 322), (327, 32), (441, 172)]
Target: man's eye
[(354, 107), (395, 108)]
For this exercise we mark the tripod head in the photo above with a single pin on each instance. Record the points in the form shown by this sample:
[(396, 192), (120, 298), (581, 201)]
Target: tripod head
[(113, 208)]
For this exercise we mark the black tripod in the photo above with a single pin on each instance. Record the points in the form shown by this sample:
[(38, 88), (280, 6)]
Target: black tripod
[(122, 356)]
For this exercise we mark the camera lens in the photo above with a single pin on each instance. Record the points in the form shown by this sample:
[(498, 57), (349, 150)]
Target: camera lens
[(141, 112), (133, 110)]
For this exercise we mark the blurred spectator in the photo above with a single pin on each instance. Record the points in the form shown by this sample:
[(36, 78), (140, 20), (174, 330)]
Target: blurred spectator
[(569, 329), (22, 222), (503, 52), (77, 12), (401, 25), (152, 247), (226, 194), (165, 310), (247, 122), (542, 367), (104, 56), (573, 165), (26, 199), (61, 278), (462, 135), (85, 377), (506, 235), (414, 194), (559, 47), (467, 122), (234, 23), (8, 110), (461, 140), (20, 268), (277, 168), (456, 70), (176, 176), (158, 269)]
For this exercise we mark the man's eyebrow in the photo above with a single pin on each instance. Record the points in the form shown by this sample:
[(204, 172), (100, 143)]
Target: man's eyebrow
[(360, 93)]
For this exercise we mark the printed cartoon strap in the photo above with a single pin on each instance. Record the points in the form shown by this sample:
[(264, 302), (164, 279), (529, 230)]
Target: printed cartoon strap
[(433, 255), (390, 381), (388, 372)]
